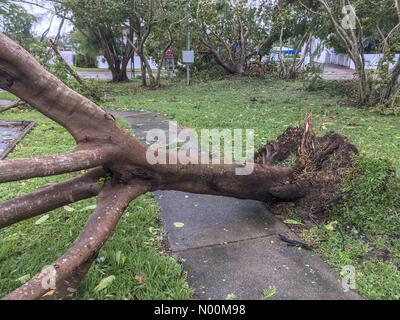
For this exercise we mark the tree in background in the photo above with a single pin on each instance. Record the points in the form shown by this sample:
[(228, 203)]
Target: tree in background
[(231, 31), (102, 23), (296, 28), (352, 27), (86, 50), (16, 22), (157, 28)]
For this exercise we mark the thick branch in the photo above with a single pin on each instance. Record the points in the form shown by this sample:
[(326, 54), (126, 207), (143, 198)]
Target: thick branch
[(20, 169), (265, 183), (112, 202), (50, 198), (23, 76)]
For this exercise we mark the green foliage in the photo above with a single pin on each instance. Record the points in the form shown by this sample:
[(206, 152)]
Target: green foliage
[(135, 248), (16, 22), (313, 79), (372, 198), (85, 49), (367, 223), (52, 63), (367, 229), (216, 27)]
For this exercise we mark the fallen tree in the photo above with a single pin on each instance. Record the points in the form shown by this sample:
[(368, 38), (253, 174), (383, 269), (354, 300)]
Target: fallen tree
[(117, 171)]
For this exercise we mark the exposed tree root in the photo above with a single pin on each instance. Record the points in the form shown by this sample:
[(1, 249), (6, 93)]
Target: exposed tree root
[(326, 160)]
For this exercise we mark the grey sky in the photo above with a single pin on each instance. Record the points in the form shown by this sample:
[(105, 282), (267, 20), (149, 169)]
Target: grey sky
[(46, 18)]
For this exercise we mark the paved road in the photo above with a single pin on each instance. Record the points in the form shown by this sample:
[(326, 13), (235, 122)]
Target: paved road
[(232, 246), (335, 72), (330, 72)]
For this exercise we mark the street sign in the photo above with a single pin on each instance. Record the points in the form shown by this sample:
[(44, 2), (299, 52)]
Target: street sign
[(169, 54), (188, 57)]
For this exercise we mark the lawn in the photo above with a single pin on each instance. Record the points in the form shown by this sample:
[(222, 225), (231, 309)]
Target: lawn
[(91, 69), (7, 96), (134, 255), (364, 230)]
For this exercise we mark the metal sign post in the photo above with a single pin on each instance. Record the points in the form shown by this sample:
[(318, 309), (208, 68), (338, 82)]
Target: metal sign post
[(187, 21)]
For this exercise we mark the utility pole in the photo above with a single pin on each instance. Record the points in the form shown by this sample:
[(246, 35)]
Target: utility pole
[(187, 23)]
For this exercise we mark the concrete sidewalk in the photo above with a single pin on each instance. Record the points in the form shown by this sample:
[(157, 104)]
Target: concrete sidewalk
[(231, 246), (5, 103)]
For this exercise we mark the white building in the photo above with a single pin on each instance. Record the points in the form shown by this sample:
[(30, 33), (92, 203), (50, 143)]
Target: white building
[(324, 55), (102, 62)]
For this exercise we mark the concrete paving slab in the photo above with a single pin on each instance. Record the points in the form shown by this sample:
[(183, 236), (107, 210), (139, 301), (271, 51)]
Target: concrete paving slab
[(142, 121), (210, 220), (247, 268)]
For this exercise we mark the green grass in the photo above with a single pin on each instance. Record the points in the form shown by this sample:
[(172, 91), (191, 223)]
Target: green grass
[(368, 221), (366, 234), (7, 96), (146, 271), (92, 69), (226, 104)]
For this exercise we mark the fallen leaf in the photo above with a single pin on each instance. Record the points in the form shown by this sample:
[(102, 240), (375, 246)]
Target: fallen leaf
[(42, 219), (120, 258), (292, 222), (49, 294), (269, 293), (331, 226), (24, 278), (140, 278), (231, 296), (68, 209), (104, 283), (88, 208), (179, 225)]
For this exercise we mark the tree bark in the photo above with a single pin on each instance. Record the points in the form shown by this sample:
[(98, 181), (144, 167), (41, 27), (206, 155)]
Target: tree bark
[(117, 65)]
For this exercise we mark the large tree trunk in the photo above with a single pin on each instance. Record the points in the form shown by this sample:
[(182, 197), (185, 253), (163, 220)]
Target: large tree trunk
[(116, 64), (109, 152), (363, 86), (354, 47), (390, 92)]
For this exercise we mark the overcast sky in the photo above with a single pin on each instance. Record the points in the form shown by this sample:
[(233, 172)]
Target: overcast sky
[(45, 19)]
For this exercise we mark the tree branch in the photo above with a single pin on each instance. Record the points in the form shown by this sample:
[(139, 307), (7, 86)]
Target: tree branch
[(112, 202), (72, 72), (23, 76), (20, 169), (50, 198)]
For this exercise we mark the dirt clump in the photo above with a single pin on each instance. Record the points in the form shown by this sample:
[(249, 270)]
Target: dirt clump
[(326, 160)]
